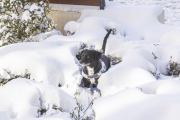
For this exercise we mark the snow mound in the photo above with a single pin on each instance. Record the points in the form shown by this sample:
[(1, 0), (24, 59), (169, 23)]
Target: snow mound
[(95, 26), (132, 104), (4, 115), (167, 86), (46, 62), (144, 26), (170, 8), (71, 27), (21, 98), (138, 88), (43, 36), (171, 38)]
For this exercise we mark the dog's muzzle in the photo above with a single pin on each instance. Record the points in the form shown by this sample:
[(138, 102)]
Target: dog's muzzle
[(82, 64)]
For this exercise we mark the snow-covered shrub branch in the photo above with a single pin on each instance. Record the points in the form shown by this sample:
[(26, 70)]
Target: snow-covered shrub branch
[(79, 113), (22, 19), (173, 68), (43, 111), (156, 74), (3, 81)]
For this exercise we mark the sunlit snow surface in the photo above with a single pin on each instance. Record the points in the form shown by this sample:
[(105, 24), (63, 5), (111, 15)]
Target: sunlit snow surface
[(171, 8), (129, 90)]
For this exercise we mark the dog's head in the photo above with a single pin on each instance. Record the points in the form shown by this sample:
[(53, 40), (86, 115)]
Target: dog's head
[(89, 57)]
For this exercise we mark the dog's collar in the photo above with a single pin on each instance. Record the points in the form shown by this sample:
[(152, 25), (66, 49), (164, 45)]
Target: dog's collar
[(103, 69)]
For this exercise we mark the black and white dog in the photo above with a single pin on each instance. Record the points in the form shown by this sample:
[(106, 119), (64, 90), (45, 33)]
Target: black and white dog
[(94, 64)]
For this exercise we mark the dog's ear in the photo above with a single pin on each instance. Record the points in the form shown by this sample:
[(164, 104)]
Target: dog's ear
[(97, 55), (79, 56)]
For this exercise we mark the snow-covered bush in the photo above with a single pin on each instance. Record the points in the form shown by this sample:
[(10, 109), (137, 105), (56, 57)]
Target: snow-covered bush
[(156, 74), (173, 68), (80, 113), (22, 19), (4, 80), (114, 60)]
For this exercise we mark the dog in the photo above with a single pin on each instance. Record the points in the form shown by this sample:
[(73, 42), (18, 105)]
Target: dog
[(94, 63)]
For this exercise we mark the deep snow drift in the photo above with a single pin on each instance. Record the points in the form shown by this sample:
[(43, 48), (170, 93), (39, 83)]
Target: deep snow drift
[(138, 88), (171, 8)]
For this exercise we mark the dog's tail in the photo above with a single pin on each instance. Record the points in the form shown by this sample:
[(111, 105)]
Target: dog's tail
[(105, 41)]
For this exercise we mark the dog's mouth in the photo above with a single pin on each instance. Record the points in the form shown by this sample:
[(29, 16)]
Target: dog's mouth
[(82, 64)]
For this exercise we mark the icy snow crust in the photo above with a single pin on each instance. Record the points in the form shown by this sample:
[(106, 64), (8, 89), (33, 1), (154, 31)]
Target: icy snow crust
[(129, 91)]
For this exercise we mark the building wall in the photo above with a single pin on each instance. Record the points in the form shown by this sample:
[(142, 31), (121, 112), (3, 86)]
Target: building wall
[(62, 17)]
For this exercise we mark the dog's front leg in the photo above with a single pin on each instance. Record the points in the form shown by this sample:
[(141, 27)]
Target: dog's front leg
[(86, 82), (94, 83)]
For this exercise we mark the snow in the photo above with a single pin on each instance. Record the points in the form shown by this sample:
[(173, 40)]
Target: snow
[(171, 38), (69, 29), (33, 7), (4, 116), (51, 67), (53, 32), (144, 26), (4, 17), (40, 37), (32, 95), (138, 88), (14, 16), (132, 104), (169, 87), (3, 29), (4, 74), (8, 35), (38, 11), (171, 8), (26, 16)]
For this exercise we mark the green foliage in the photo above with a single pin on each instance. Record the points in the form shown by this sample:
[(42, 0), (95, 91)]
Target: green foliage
[(22, 19)]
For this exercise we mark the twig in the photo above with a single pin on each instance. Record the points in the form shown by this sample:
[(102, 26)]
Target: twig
[(154, 56), (88, 106)]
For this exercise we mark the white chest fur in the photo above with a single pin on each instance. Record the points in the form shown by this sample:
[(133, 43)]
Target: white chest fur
[(91, 72)]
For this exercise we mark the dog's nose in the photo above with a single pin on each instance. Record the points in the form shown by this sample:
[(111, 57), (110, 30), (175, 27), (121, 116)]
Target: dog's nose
[(80, 62)]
